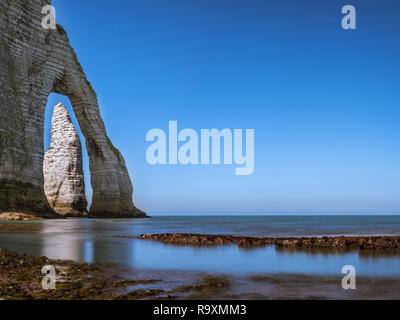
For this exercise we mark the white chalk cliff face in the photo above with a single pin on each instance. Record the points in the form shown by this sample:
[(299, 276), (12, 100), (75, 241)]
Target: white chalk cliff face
[(64, 183), (33, 63)]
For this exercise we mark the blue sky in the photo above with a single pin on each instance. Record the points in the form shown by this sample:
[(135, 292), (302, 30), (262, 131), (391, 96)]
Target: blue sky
[(323, 101)]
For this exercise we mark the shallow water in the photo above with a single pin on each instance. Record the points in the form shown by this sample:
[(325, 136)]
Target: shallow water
[(98, 241)]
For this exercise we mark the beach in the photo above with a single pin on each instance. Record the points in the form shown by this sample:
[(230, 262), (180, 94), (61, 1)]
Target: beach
[(136, 259), (20, 279)]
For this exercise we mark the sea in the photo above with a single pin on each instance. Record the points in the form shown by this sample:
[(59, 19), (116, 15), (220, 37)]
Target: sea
[(116, 242)]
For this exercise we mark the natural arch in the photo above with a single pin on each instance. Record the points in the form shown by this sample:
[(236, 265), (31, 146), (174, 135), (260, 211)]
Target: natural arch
[(33, 63)]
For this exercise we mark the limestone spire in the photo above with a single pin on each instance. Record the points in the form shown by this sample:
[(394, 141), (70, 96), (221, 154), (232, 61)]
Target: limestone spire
[(64, 183)]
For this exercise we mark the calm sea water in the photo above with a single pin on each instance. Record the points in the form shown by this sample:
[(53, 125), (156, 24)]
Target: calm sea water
[(98, 241)]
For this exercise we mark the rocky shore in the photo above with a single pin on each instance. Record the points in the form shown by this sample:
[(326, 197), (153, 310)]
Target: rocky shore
[(18, 216), (21, 279), (359, 242)]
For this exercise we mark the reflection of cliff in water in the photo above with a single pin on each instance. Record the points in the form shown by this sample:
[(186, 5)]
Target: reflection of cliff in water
[(84, 242), (363, 254), (57, 244), (315, 251), (374, 254)]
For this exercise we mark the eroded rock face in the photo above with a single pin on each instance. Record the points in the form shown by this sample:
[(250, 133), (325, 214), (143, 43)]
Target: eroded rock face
[(33, 63), (64, 183)]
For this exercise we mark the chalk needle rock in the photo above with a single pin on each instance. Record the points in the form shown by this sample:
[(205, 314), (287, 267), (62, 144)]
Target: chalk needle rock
[(64, 183)]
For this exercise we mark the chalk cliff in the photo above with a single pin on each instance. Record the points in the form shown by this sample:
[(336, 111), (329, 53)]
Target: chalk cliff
[(33, 63)]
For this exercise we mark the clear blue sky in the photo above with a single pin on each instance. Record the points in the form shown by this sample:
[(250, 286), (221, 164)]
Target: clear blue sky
[(324, 102)]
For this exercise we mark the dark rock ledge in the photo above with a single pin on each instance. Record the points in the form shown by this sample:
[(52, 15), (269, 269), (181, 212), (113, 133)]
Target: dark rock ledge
[(359, 242)]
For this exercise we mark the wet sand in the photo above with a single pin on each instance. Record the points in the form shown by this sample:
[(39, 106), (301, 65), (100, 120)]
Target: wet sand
[(20, 227), (18, 216)]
